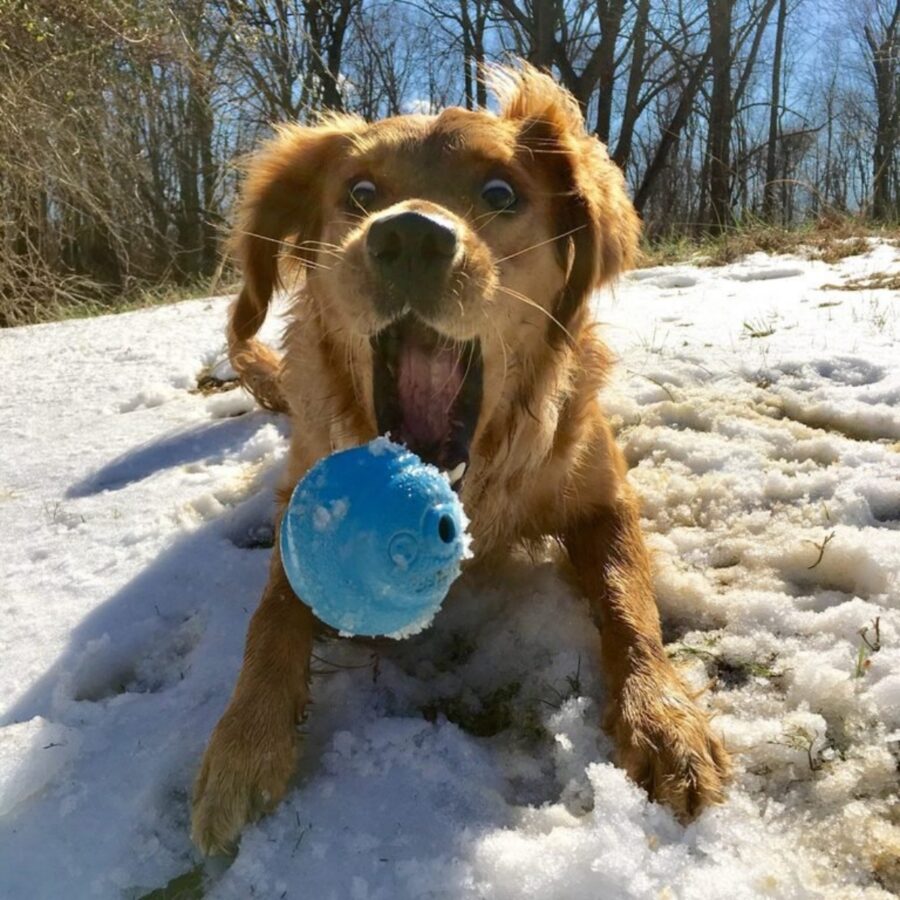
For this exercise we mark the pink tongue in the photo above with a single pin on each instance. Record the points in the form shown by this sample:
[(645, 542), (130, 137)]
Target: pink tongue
[(428, 383)]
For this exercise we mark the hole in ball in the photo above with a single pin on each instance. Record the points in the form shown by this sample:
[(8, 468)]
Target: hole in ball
[(447, 529)]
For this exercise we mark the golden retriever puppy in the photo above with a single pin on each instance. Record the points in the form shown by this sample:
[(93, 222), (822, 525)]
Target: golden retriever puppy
[(449, 262)]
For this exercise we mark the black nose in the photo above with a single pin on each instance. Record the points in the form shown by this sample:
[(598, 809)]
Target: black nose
[(411, 246)]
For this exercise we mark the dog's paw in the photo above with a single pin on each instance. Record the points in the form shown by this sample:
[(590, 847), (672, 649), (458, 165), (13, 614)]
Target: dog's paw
[(665, 743), (245, 772)]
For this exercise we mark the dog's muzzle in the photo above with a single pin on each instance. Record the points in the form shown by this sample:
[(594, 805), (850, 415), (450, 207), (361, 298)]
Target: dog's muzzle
[(412, 255)]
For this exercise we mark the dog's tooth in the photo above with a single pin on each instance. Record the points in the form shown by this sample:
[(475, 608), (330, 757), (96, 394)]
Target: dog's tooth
[(456, 473)]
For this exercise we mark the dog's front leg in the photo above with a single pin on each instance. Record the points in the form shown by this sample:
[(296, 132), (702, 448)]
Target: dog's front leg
[(252, 752), (663, 739)]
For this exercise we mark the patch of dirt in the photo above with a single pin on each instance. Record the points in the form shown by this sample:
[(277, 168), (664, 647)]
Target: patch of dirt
[(210, 384)]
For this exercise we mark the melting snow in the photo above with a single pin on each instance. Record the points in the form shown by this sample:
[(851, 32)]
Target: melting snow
[(761, 421)]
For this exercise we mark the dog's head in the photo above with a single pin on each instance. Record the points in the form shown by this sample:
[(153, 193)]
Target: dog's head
[(450, 255)]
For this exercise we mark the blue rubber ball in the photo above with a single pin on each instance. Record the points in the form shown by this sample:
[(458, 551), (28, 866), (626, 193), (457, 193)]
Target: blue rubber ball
[(372, 539)]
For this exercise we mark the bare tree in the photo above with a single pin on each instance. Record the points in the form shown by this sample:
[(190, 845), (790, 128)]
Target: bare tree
[(771, 187), (721, 113), (464, 26), (578, 40), (637, 75), (382, 63), (882, 34), (326, 24), (672, 130), (119, 119)]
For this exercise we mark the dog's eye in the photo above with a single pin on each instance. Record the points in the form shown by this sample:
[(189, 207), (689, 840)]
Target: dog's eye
[(498, 195), (362, 194)]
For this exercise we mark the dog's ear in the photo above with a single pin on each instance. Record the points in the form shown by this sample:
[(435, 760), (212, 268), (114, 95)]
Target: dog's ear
[(280, 209), (596, 220)]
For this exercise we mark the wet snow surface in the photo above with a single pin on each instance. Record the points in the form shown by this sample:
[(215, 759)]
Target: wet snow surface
[(760, 414)]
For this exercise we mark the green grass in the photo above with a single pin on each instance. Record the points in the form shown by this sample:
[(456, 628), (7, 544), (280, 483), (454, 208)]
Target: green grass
[(759, 328), (495, 713), (729, 673), (187, 886)]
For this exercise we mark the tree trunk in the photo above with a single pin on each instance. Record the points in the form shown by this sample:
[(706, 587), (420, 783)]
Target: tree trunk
[(636, 77), (544, 31), (770, 195), (610, 15), (467, 54), (326, 25), (672, 131), (473, 51), (884, 49), (481, 12), (721, 115)]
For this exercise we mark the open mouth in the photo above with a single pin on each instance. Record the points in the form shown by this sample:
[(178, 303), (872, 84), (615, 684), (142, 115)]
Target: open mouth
[(428, 392)]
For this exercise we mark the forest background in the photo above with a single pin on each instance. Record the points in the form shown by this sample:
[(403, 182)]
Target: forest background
[(123, 122)]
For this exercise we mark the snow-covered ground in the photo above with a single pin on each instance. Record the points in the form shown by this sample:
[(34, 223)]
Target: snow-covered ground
[(761, 416)]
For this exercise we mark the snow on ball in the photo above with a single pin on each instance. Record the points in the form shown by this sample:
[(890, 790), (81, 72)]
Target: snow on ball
[(372, 539)]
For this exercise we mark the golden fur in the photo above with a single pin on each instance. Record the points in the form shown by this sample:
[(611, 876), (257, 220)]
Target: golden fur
[(543, 462)]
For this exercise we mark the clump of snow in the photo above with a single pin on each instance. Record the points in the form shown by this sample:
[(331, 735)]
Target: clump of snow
[(32, 755), (219, 366), (267, 441), (869, 420), (381, 445), (230, 403), (750, 270), (885, 693), (152, 396), (852, 560), (467, 761), (327, 518)]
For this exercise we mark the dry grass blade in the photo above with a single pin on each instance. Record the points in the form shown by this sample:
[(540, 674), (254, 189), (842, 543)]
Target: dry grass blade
[(880, 281)]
